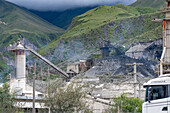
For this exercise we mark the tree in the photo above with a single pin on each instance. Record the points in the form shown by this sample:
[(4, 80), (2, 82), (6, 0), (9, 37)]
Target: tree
[(67, 98), (6, 100), (126, 105)]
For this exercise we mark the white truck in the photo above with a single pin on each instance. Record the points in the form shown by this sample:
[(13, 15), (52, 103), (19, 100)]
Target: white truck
[(157, 96)]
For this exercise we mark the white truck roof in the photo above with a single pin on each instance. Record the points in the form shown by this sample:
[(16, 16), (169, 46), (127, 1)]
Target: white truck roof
[(161, 80)]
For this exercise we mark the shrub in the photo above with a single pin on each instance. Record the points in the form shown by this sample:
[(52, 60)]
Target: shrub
[(6, 100), (126, 105)]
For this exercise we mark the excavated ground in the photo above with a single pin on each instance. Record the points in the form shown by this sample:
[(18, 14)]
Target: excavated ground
[(117, 65)]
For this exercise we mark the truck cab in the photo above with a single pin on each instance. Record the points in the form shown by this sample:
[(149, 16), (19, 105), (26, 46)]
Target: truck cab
[(157, 95)]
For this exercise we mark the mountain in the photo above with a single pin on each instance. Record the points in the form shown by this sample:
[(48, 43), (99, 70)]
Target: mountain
[(122, 25), (19, 21), (15, 22), (61, 18), (64, 18)]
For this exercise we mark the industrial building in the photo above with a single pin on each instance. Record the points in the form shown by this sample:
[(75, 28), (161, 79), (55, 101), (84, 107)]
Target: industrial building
[(79, 67), (18, 84), (24, 93), (148, 50)]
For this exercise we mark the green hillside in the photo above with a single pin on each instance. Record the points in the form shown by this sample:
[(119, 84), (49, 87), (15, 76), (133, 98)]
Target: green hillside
[(101, 16), (22, 22), (15, 21), (120, 24), (61, 18), (98, 17), (160, 4)]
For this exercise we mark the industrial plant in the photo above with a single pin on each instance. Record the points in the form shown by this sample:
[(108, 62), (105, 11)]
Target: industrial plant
[(102, 59)]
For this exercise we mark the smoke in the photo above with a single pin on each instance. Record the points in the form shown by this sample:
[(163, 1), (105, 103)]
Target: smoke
[(60, 5)]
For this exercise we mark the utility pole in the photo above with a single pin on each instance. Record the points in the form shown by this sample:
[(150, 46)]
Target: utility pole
[(139, 90), (48, 72), (48, 75), (135, 81), (34, 74), (118, 109), (41, 74), (135, 77)]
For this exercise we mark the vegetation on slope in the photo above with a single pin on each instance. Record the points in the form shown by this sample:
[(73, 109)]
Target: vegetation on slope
[(98, 17), (159, 4), (95, 22), (63, 18), (120, 24), (18, 22), (22, 22)]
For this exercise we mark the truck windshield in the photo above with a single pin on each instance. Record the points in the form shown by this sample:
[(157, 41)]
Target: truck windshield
[(156, 92)]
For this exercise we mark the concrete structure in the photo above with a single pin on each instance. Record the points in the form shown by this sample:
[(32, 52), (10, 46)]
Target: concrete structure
[(18, 81), (98, 105), (83, 65), (23, 92), (149, 50), (105, 48), (79, 67), (165, 59), (73, 69), (25, 103), (20, 61), (105, 52), (137, 51), (110, 90)]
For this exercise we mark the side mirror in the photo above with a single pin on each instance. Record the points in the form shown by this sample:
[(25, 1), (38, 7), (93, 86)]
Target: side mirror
[(149, 93)]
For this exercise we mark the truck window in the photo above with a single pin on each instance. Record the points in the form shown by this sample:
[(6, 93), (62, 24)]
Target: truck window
[(157, 92)]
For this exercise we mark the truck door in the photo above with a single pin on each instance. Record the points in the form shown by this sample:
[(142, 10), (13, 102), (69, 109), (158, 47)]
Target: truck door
[(157, 101), (157, 106)]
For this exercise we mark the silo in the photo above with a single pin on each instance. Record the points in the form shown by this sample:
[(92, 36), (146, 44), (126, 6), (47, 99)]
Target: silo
[(20, 60)]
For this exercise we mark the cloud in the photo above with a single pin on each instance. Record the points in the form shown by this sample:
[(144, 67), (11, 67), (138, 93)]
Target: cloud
[(59, 5)]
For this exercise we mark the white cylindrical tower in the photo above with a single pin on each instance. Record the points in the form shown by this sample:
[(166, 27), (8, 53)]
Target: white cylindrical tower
[(20, 61), (18, 82)]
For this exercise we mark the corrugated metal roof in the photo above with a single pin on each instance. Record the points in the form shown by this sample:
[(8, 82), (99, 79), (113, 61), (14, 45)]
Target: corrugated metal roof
[(139, 48)]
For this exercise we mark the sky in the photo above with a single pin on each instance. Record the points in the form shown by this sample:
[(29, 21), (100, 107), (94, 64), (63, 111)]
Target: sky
[(60, 5)]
